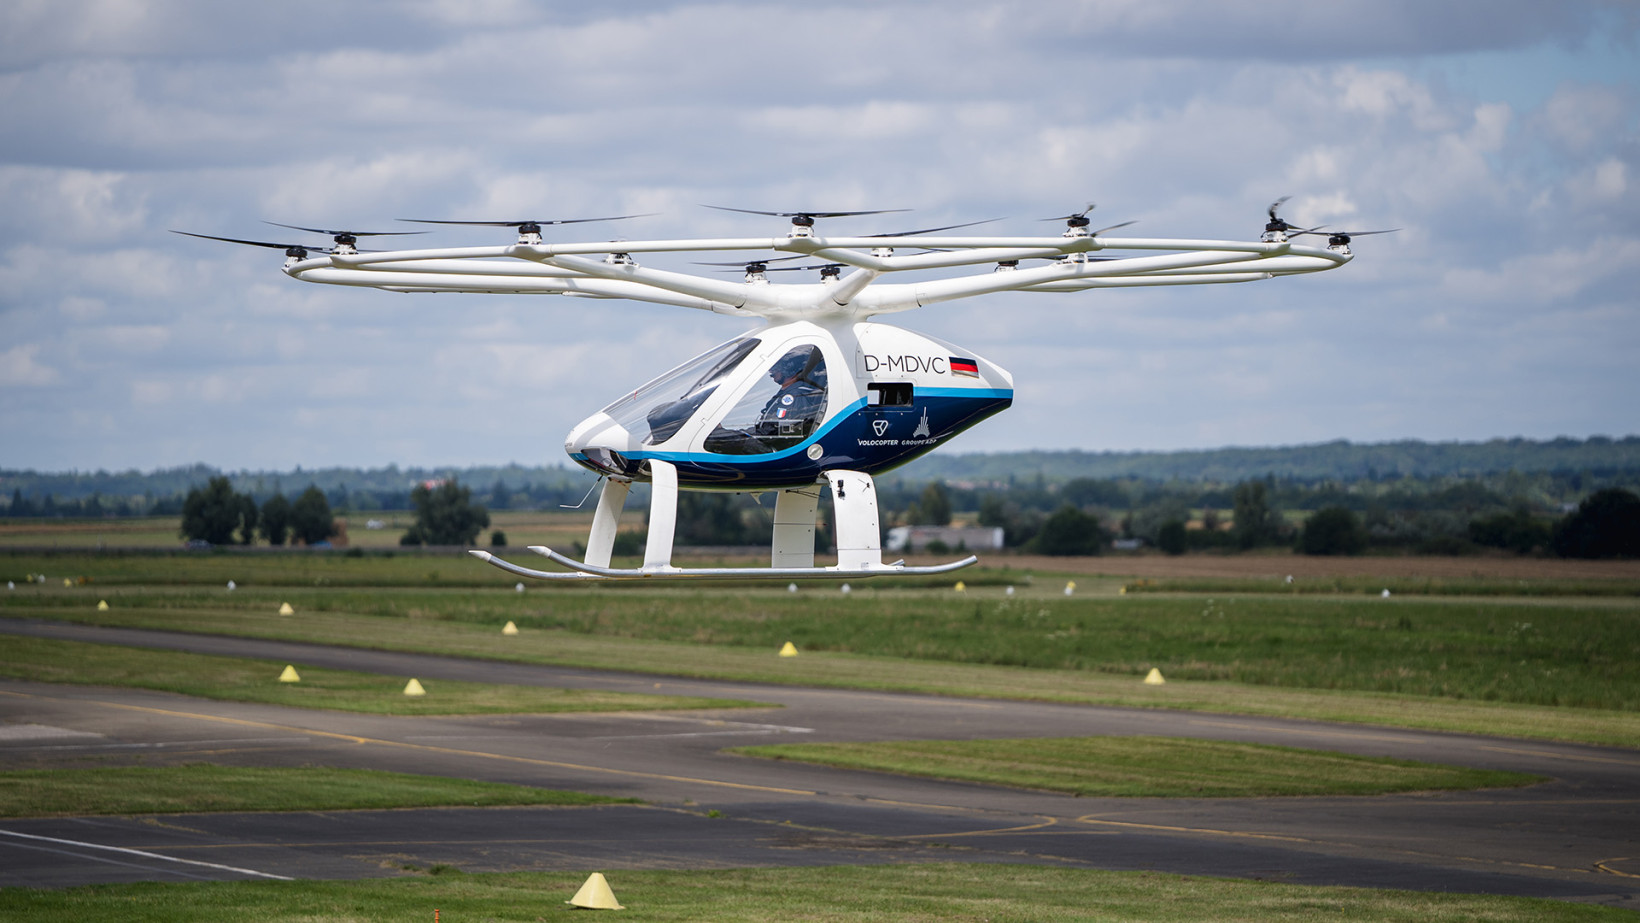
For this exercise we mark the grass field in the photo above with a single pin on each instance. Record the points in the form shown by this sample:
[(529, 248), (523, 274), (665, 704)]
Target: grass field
[(244, 680), (1143, 767), (555, 527), (1582, 652), (1522, 665), (426, 625), (906, 894), (198, 788)]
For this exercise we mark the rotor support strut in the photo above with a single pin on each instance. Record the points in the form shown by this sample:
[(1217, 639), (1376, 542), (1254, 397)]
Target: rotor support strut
[(794, 510), (601, 541)]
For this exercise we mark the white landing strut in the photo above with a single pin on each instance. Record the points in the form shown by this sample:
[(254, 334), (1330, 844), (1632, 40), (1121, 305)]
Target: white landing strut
[(859, 552)]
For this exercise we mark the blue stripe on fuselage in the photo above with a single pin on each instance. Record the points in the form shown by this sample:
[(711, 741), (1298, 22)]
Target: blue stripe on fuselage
[(851, 440)]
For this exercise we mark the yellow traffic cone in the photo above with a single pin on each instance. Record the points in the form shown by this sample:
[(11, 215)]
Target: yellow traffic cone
[(414, 687), (1154, 678), (789, 650), (289, 676), (285, 609), (102, 605), (595, 895), (509, 628)]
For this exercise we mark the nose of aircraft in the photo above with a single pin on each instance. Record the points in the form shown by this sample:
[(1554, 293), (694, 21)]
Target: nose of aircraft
[(598, 442)]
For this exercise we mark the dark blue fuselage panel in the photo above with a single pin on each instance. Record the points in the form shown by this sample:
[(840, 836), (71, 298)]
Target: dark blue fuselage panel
[(864, 438)]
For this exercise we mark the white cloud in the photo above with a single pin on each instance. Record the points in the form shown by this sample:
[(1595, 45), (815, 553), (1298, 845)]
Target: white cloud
[(1536, 279), (20, 367), (1579, 118), (1602, 184)]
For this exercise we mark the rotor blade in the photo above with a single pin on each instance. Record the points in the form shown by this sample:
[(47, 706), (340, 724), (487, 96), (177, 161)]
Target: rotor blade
[(329, 233), (257, 243), (748, 211), (772, 259), (949, 227), (1081, 214), (1277, 204), (1363, 233), (513, 224), (1113, 227), (803, 268)]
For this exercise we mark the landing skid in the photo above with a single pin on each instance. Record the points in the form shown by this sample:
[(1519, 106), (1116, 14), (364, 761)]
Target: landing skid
[(583, 571), (854, 499)]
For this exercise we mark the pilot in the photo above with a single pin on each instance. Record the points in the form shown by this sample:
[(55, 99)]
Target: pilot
[(797, 404), (787, 417)]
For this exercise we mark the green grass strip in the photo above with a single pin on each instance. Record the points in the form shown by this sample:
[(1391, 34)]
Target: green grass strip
[(1536, 587), (1145, 767), (240, 679), (906, 894), (201, 788), (424, 633), (1583, 653)]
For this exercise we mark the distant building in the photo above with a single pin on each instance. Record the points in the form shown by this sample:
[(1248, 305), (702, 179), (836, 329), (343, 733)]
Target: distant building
[(918, 538)]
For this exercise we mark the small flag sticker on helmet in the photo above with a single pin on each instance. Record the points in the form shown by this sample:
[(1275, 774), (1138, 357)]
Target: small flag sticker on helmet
[(961, 366)]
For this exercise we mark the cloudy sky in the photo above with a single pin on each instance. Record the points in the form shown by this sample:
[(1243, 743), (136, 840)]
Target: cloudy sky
[(1503, 136)]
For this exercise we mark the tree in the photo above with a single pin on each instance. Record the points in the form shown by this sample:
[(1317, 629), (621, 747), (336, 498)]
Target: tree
[(1255, 522), (1171, 537), (1605, 525), (1070, 532), (276, 513), (993, 510), (933, 508), (1516, 531), (1087, 492), (310, 518), (445, 515), (248, 516), (709, 518), (212, 513), (1334, 530)]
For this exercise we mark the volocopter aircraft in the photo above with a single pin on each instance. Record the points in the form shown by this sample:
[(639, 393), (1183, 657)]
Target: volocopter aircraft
[(819, 394)]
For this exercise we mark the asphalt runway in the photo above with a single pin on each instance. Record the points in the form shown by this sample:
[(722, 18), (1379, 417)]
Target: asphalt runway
[(1576, 837)]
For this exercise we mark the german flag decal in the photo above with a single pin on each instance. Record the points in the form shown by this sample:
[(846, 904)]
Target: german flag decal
[(961, 366)]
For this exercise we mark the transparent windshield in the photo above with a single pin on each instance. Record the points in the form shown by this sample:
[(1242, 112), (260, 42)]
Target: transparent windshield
[(659, 409), (780, 409)]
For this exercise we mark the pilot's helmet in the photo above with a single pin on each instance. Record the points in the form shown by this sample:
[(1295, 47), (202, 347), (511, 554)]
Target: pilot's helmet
[(791, 364)]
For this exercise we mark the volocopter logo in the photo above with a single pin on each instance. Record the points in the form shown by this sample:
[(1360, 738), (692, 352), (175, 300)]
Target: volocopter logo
[(879, 426)]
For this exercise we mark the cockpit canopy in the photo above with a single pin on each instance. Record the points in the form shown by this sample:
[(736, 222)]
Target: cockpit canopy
[(780, 409)]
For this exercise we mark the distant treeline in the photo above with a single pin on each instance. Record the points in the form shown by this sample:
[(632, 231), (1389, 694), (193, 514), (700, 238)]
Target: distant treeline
[(163, 491), (1547, 476), (1343, 461)]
